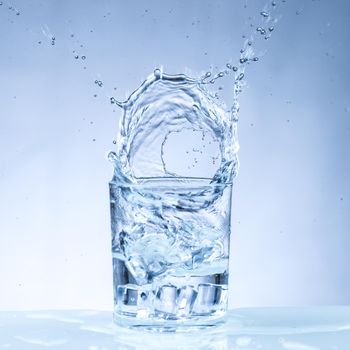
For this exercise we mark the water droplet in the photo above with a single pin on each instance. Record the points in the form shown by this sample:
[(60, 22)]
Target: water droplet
[(114, 142), (271, 29), (235, 69), (264, 14), (83, 57), (76, 57), (112, 156), (157, 73), (262, 31), (243, 60)]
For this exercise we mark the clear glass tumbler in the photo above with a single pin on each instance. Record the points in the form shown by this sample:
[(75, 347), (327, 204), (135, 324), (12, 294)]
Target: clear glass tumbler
[(170, 247)]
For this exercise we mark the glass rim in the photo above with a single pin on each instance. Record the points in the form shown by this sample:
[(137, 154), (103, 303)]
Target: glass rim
[(171, 182)]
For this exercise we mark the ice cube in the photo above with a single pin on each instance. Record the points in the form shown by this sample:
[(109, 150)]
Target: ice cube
[(155, 268), (132, 299), (138, 268), (210, 298), (185, 300), (165, 301)]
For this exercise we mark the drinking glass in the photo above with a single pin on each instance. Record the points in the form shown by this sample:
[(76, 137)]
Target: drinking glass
[(170, 248)]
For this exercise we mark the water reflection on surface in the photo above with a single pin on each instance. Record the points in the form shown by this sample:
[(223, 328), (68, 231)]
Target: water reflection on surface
[(260, 328)]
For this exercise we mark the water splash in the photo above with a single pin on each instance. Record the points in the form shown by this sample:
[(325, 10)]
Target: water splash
[(162, 106)]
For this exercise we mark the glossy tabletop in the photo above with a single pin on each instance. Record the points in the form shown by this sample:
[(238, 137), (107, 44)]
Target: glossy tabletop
[(312, 328)]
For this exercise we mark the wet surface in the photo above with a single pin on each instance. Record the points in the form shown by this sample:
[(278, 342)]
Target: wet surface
[(315, 328)]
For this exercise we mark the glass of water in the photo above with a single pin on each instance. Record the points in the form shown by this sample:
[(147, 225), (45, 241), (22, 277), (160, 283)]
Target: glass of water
[(170, 247)]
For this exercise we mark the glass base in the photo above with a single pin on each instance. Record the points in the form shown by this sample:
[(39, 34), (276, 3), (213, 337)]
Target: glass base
[(163, 325)]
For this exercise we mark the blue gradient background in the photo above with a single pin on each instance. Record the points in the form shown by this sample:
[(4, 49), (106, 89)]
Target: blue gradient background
[(291, 205)]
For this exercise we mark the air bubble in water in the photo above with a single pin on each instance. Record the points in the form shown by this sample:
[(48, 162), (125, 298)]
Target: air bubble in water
[(83, 57), (76, 57), (243, 60), (235, 69)]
